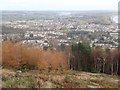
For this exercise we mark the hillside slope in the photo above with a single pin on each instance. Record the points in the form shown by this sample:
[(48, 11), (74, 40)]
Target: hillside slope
[(57, 79)]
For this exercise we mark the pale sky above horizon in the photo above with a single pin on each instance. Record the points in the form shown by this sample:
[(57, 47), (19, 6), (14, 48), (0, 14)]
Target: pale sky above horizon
[(59, 4)]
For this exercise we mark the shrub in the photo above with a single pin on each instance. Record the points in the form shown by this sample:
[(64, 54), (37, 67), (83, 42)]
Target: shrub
[(92, 70), (22, 57)]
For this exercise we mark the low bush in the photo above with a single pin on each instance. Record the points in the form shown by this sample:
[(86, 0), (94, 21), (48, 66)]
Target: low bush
[(22, 57)]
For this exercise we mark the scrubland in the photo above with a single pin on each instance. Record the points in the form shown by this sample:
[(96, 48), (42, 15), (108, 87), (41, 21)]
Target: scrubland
[(31, 67)]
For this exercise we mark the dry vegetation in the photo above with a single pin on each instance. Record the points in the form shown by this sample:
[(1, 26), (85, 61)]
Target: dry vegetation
[(21, 56), (50, 69), (57, 79)]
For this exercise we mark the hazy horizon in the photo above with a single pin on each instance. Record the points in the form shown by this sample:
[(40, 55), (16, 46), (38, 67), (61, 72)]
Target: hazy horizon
[(58, 5), (63, 10)]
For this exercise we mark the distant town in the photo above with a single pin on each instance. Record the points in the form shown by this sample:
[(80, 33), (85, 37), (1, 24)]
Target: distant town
[(58, 30)]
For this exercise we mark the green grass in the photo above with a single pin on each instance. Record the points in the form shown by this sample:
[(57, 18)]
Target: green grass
[(77, 83), (18, 82)]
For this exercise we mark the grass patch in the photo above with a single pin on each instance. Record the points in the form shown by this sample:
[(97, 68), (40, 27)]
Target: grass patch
[(18, 82), (25, 70), (74, 73), (77, 83), (56, 83)]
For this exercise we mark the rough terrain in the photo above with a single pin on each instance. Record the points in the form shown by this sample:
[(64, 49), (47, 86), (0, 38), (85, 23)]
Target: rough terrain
[(57, 79)]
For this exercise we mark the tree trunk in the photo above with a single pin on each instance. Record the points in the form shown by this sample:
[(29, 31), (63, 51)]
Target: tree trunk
[(112, 69), (117, 68), (103, 67)]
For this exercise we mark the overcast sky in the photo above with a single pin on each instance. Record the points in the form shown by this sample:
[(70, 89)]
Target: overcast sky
[(59, 4)]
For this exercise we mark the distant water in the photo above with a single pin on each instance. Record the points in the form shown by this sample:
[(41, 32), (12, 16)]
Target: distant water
[(65, 13), (115, 19)]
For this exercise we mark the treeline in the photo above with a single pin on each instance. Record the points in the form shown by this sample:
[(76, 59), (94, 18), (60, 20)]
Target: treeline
[(77, 57), (22, 56), (94, 60)]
